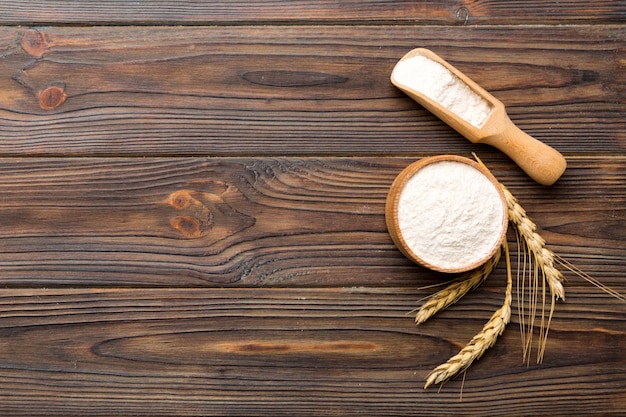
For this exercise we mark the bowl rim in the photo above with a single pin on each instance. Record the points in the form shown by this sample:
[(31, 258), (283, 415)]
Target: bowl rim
[(392, 203)]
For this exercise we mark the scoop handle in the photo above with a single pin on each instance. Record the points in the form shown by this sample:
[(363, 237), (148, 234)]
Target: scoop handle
[(541, 162)]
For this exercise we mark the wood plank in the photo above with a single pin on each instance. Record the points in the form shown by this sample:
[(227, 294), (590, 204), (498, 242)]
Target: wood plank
[(316, 352), (31, 12), (269, 222), (303, 90), (192, 207)]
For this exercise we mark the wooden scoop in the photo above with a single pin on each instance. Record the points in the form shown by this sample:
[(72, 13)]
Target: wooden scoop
[(541, 162)]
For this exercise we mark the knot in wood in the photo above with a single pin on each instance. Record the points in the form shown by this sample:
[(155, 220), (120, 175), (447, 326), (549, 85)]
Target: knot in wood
[(180, 200), (462, 15), (189, 226), (34, 43), (196, 219), (52, 97), (205, 210)]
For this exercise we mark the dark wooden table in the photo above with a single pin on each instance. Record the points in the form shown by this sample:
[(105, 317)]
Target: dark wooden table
[(192, 207)]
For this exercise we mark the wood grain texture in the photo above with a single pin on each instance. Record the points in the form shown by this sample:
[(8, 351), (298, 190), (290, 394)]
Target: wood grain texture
[(192, 207), (216, 221), (306, 90), (280, 351), (466, 12)]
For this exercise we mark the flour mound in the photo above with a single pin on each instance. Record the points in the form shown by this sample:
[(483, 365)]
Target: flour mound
[(438, 83), (450, 215)]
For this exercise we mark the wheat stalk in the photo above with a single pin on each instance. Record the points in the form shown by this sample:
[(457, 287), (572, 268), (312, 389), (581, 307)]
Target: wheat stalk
[(541, 255), (457, 289), (485, 339), (537, 265), (541, 269)]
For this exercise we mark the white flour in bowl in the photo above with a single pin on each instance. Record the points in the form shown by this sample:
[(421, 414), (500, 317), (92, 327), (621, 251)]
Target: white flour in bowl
[(450, 215), (436, 82)]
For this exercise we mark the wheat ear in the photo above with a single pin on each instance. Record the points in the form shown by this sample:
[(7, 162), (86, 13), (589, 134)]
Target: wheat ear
[(539, 262), (541, 255), (482, 341), (457, 289), (541, 270)]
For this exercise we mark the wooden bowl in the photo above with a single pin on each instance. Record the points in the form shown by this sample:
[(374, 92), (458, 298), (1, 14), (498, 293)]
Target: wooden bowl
[(486, 209)]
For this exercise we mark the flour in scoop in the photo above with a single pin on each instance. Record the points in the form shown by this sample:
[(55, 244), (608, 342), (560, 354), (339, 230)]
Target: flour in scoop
[(438, 83), (450, 215)]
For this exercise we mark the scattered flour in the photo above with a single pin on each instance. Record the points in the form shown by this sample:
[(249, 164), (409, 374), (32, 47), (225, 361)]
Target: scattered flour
[(439, 84), (450, 215)]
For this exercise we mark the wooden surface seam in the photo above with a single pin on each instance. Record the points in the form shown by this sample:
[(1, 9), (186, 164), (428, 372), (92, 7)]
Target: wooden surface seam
[(192, 207)]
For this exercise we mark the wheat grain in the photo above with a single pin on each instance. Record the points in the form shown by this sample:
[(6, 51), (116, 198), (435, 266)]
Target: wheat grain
[(485, 339), (541, 255), (541, 270), (457, 289), (537, 268)]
